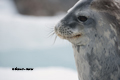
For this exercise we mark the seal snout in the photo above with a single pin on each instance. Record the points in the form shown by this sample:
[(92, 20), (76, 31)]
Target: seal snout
[(65, 31)]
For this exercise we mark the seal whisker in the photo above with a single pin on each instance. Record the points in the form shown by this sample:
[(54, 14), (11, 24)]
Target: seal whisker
[(55, 39), (51, 33)]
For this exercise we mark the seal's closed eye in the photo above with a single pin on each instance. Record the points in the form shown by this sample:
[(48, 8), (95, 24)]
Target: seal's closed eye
[(82, 18)]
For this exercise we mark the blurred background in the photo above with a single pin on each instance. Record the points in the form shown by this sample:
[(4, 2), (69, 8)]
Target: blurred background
[(26, 40)]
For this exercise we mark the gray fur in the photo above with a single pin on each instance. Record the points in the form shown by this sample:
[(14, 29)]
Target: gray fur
[(97, 50), (78, 48)]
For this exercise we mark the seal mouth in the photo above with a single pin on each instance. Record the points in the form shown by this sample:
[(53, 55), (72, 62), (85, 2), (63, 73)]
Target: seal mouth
[(68, 37)]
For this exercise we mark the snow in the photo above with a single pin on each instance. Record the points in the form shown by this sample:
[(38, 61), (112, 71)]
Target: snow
[(30, 33), (7, 7), (51, 73)]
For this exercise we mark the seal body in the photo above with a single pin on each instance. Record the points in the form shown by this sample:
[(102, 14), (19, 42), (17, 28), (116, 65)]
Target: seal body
[(94, 31)]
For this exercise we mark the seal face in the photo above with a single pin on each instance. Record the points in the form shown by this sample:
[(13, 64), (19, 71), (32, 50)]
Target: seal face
[(93, 28), (77, 24)]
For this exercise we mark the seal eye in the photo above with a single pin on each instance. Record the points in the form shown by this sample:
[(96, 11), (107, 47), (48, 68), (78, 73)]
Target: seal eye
[(82, 18)]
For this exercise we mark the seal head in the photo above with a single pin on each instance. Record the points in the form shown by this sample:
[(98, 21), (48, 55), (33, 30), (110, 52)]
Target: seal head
[(78, 25)]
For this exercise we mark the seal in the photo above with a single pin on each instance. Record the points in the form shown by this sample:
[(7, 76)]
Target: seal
[(93, 28)]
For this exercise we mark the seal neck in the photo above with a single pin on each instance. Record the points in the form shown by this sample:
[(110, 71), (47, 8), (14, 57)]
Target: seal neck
[(97, 59)]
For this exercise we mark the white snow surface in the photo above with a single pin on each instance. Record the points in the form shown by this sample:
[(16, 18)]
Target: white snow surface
[(38, 74)]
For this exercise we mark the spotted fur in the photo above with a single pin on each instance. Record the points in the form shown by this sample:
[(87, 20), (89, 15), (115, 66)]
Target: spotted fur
[(96, 41)]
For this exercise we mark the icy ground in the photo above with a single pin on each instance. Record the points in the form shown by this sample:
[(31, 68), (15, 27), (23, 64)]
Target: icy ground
[(38, 74), (19, 33)]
